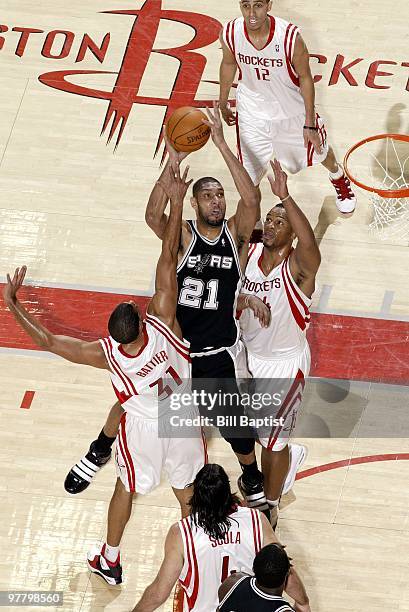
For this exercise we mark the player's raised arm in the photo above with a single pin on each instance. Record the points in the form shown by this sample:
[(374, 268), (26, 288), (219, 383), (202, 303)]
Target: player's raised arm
[(227, 72), (158, 592), (164, 302), (248, 208), (155, 216), (301, 63), (307, 257), (72, 349)]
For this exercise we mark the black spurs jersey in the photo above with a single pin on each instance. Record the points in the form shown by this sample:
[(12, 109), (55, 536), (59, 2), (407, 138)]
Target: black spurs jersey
[(245, 595), (209, 282)]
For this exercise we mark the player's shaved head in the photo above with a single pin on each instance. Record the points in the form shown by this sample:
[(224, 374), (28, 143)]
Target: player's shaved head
[(207, 182)]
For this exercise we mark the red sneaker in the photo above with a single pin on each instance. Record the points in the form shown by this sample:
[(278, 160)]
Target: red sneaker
[(346, 199)]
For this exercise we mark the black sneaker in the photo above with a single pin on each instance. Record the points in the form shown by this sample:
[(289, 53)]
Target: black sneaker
[(81, 474), (253, 492), (98, 564)]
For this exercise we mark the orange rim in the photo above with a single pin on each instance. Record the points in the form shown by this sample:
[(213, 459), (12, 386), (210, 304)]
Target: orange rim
[(386, 193)]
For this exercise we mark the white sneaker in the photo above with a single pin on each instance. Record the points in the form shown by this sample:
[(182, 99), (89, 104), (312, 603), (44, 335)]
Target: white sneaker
[(298, 454), (346, 199)]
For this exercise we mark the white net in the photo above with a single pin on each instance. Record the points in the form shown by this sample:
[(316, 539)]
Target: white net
[(388, 169)]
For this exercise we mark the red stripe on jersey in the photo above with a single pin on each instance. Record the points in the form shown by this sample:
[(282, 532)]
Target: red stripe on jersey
[(113, 366), (170, 340), (260, 260), (143, 347), (252, 248), (123, 444), (296, 313), (192, 600), (121, 395), (259, 529), (294, 287), (253, 520), (288, 41), (176, 340), (192, 566), (233, 43), (128, 380), (186, 582), (228, 41)]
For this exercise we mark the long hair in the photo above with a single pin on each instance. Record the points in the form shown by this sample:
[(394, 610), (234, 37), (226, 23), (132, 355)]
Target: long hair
[(212, 501)]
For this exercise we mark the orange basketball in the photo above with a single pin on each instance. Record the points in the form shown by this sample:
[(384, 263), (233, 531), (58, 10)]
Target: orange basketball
[(186, 130)]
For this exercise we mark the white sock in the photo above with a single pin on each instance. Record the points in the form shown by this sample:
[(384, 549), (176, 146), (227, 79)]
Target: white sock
[(336, 175), (273, 504), (111, 553)]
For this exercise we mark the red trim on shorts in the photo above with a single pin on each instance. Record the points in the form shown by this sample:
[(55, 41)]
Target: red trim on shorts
[(239, 153), (287, 406), (143, 347), (270, 35), (123, 445)]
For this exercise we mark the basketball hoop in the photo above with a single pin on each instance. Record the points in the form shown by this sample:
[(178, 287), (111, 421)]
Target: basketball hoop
[(379, 165)]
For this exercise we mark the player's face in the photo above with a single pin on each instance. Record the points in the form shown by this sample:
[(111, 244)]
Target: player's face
[(255, 13), (277, 231), (210, 204)]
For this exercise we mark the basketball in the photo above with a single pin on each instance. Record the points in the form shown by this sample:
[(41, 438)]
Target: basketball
[(186, 130)]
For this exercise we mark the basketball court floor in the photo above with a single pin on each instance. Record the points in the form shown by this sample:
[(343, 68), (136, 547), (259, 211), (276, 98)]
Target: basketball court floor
[(72, 210)]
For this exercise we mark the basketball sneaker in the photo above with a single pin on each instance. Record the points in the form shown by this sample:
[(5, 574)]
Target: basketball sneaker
[(346, 199), (81, 474), (98, 564), (298, 454), (253, 493)]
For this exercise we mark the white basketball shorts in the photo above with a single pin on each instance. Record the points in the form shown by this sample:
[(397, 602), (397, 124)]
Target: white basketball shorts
[(141, 455), (287, 378), (259, 140)]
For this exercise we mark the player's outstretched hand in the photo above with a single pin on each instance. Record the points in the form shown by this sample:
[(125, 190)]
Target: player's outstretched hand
[(175, 157), (313, 137), (215, 124), (260, 310), (176, 187), (13, 285), (229, 116), (278, 182)]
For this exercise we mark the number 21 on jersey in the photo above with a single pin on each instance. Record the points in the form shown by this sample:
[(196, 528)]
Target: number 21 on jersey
[(192, 293)]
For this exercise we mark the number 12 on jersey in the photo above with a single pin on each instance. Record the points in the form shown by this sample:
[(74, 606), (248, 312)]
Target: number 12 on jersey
[(262, 74), (192, 292)]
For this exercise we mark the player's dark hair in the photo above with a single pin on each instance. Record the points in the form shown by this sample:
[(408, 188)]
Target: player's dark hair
[(271, 566), (212, 501), (279, 205), (123, 324), (198, 186)]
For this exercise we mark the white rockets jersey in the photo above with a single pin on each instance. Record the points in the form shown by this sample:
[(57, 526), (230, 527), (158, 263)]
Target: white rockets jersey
[(161, 367), (268, 84), (285, 337), (208, 562)]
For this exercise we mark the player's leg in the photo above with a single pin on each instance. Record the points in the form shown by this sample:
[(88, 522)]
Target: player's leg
[(81, 474), (291, 152), (254, 144), (184, 496)]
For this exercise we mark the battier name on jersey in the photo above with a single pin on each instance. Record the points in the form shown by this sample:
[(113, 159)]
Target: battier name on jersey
[(148, 367)]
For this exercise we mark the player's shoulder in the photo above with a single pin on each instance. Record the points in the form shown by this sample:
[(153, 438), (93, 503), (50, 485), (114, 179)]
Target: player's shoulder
[(236, 23)]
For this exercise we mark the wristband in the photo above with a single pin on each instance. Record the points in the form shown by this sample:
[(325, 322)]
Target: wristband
[(286, 198), (246, 301), (309, 127)]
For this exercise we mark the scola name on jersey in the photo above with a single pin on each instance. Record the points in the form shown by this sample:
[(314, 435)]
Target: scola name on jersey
[(255, 60), (213, 261)]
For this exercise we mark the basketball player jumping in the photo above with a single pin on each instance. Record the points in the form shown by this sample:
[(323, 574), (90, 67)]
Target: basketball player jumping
[(284, 279), (219, 538), (275, 98), (138, 356), (212, 255)]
